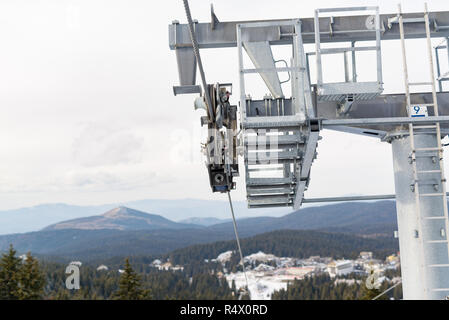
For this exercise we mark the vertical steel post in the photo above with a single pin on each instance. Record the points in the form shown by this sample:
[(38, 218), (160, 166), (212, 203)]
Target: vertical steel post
[(447, 48), (241, 74), (345, 59), (425, 273), (354, 63), (379, 54), (319, 70), (298, 79), (437, 60)]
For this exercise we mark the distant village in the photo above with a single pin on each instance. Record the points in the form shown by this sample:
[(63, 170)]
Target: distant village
[(267, 273)]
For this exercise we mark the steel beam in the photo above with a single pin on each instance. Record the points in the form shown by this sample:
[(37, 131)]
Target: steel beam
[(344, 29), (353, 198), (384, 121), (350, 198), (387, 110)]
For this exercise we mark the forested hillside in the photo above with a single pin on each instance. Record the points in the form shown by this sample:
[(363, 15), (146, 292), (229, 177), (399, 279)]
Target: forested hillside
[(159, 284), (292, 243), (378, 218)]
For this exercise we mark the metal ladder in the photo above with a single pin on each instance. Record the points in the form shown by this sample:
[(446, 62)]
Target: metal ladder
[(432, 181)]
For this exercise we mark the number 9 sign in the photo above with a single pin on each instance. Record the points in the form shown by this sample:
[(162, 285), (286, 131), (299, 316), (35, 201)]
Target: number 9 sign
[(418, 111)]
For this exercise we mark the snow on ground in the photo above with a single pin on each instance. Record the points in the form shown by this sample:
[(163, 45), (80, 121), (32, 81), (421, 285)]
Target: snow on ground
[(260, 256), (223, 257), (263, 267), (261, 286)]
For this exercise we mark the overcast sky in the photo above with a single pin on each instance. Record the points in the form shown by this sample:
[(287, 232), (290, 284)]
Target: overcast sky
[(87, 114)]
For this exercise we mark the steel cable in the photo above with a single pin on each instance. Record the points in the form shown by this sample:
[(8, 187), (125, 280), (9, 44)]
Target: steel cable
[(196, 51), (238, 241)]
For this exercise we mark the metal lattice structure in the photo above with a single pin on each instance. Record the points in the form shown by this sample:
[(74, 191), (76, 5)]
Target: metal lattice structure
[(348, 91), (276, 175), (278, 135)]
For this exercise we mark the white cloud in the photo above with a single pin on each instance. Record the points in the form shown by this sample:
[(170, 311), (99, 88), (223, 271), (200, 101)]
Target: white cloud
[(102, 144)]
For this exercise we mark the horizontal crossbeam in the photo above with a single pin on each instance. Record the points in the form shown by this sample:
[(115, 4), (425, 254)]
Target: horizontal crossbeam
[(344, 29), (384, 121), (353, 198)]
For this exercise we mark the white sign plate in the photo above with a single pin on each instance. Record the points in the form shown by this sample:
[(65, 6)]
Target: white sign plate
[(417, 110)]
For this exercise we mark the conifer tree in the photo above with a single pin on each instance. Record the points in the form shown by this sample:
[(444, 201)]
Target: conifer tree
[(130, 287), (61, 294), (31, 280), (9, 275), (369, 294), (233, 287)]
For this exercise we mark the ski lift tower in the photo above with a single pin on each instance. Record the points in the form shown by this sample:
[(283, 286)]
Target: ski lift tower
[(278, 134)]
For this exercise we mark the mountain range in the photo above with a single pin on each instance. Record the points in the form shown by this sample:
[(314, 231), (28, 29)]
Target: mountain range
[(207, 221), (35, 218), (124, 231), (120, 218), (370, 218)]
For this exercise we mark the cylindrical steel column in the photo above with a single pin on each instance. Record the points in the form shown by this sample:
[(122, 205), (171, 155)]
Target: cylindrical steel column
[(422, 227)]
